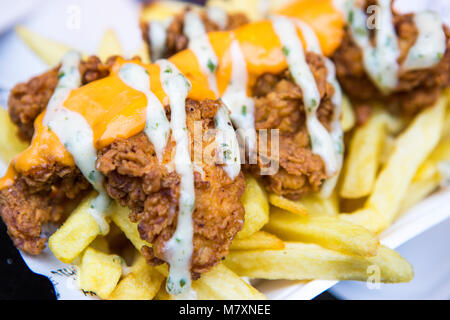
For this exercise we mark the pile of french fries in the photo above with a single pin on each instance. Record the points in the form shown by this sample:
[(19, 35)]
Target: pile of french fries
[(390, 165)]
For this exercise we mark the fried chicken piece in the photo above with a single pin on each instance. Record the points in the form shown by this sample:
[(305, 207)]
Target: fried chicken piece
[(279, 105), (178, 41), (27, 100), (136, 179), (37, 197), (416, 89)]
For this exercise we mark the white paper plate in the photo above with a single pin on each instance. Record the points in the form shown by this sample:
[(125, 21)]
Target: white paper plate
[(11, 11)]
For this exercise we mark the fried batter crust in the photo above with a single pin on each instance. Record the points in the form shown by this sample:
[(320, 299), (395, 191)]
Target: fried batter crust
[(136, 179)]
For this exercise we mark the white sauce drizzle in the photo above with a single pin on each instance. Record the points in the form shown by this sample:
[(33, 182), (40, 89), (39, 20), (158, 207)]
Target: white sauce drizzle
[(189, 294), (75, 133), (218, 16), (200, 45), (158, 37), (430, 45), (228, 146), (157, 127), (337, 136), (241, 106), (321, 141), (179, 248), (380, 60)]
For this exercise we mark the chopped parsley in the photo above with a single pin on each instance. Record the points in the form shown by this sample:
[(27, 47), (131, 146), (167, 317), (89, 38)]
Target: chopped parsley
[(211, 65), (244, 110), (285, 51)]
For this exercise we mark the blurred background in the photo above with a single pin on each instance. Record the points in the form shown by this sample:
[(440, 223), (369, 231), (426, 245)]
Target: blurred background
[(81, 24)]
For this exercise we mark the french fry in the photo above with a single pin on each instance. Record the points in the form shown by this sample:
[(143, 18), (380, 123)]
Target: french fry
[(119, 215), (10, 144), (109, 46), (318, 206), (100, 244), (327, 231), (363, 158), (79, 230), (51, 52), (254, 9), (348, 115), (260, 240), (220, 283), (256, 208), (99, 272), (310, 204), (161, 10), (300, 261), (417, 191), (289, 205), (412, 147), (142, 283), (143, 53), (429, 169)]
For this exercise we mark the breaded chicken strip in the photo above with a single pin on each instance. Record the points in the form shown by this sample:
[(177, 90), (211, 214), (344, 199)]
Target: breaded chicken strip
[(416, 89), (27, 100), (279, 105), (151, 190), (177, 41)]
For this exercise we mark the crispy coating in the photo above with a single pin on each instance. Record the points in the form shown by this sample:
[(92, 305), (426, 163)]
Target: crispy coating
[(279, 105), (136, 179), (416, 89), (178, 41), (27, 100), (37, 197)]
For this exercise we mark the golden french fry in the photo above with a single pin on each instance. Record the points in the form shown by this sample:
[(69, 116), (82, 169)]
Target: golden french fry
[(51, 52), (143, 53), (300, 261), (161, 10), (446, 131), (412, 147), (119, 215), (10, 144), (220, 283), (292, 206), (362, 162), (256, 208), (100, 272), (429, 169), (327, 231), (142, 283), (109, 46), (348, 115), (260, 240), (100, 244), (418, 191), (79, 230), (254, 9)]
